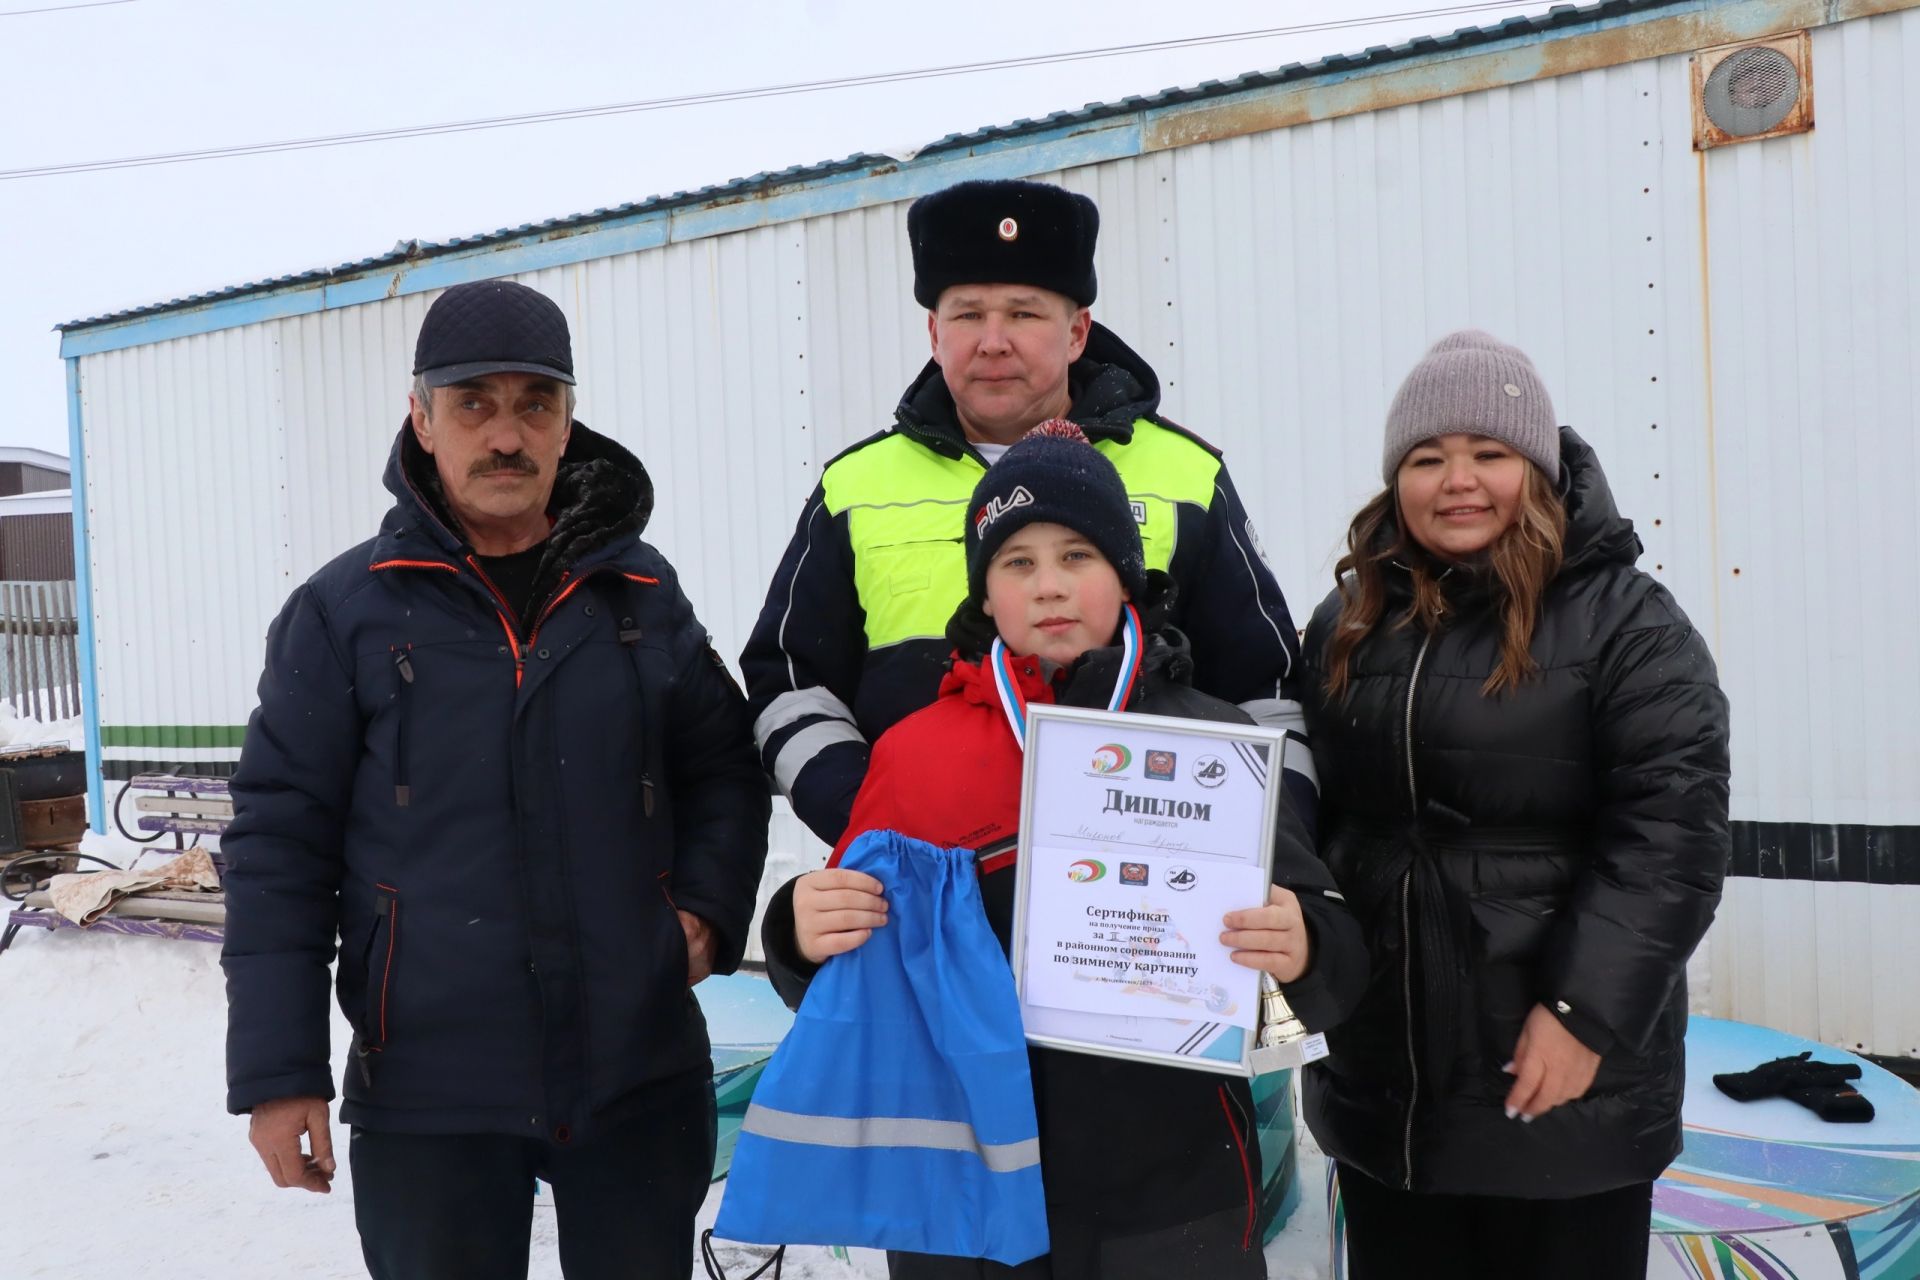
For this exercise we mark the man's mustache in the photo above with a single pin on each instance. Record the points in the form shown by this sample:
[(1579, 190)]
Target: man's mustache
[(516, 462)]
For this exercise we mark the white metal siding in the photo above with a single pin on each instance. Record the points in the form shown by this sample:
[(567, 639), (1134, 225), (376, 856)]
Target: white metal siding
[(1281, 283), (1815, 312), (185, 509)]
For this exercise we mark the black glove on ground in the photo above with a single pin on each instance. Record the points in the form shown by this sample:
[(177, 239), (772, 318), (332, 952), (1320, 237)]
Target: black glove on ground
[(1821, 1087), (1838, 1103)]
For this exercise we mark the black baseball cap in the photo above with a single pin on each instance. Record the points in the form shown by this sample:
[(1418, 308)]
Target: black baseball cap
[(492, 326)]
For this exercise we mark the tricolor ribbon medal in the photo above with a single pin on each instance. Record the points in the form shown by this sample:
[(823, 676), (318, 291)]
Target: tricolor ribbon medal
[(1014, 703)]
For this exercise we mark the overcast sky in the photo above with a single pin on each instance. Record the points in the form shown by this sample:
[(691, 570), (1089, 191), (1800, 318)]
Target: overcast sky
[(159, 76)]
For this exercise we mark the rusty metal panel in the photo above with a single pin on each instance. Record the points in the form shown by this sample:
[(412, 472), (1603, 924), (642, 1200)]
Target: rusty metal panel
[(1747, 92), (1815, 371), (1507, 63)]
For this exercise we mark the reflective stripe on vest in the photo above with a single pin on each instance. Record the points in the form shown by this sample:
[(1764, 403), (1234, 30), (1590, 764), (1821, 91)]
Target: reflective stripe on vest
[(906, 517)]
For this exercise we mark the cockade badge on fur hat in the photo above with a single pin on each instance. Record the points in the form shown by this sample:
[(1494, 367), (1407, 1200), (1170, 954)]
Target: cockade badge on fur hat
[(1003, 232)]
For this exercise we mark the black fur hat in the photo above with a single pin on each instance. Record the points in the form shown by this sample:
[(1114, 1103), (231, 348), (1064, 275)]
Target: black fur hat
[(1004, 232)]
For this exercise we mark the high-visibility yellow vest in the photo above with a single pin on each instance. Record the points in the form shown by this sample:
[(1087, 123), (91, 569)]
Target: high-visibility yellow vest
[(906, 518)]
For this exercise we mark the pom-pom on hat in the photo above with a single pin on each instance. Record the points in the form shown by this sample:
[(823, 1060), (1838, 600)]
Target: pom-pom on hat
[(1053, 474)]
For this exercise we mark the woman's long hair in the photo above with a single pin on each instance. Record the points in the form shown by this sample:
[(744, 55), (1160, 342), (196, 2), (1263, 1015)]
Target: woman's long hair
[(1519, 564)]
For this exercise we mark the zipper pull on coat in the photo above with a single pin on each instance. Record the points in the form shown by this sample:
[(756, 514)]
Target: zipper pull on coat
[(402, 792)]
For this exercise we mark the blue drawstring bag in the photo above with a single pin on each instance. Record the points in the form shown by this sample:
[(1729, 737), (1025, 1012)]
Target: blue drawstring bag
[(898, 1112)]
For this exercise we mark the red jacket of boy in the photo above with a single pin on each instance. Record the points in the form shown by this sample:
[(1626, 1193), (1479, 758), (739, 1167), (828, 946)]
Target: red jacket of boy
[(1156, 1160)]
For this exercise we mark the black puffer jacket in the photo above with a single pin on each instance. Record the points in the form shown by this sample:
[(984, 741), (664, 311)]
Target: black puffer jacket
[(1562, 844)]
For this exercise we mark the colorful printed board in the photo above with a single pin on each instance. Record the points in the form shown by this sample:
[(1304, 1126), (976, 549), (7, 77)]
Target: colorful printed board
[(1767, 1190), (746, 1021)]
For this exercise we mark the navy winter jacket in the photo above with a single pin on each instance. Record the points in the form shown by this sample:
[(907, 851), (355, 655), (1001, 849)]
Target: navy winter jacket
[(491, 818)]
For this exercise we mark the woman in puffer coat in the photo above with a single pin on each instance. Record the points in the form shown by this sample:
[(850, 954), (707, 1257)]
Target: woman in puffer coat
[(1522, 748)]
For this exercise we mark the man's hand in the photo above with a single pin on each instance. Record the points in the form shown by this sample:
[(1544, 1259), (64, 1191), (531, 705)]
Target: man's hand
[(1550, 1066), (275, 1132), (700, 945), (1272, 938), (835, 911)]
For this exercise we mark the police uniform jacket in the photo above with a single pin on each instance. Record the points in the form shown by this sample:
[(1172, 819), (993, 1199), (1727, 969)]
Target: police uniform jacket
[(852, 635)]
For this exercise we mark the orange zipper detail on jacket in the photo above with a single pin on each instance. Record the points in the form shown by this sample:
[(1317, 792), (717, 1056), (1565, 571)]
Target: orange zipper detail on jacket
[(386, 975), (553, 604), (513, 643), (505, 611), (415, 564)]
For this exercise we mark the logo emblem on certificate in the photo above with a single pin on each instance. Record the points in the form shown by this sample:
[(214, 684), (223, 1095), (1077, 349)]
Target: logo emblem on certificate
[(1122, 881)]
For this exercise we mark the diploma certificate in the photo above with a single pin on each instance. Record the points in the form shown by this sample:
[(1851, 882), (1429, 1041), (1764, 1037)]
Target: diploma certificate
[(1137, 834)]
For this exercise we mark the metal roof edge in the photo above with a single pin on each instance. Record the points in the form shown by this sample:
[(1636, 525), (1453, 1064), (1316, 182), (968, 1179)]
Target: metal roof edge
[(1563, 40), (45, 459)]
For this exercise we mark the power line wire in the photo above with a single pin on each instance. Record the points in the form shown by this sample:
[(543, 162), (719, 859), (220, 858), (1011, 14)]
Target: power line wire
[(724, 95), (64, 8)]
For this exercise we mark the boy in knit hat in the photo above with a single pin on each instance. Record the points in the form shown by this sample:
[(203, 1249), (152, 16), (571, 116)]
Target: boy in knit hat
[(1149, 1170)]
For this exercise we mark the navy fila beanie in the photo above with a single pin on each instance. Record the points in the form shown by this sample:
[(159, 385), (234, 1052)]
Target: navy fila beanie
[(1053, 474)]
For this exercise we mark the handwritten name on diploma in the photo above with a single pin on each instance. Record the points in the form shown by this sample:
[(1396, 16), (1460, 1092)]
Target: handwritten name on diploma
[(1155, 840)]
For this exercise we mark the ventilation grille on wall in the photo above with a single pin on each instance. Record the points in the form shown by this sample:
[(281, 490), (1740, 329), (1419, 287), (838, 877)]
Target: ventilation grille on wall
[(1742, 92)]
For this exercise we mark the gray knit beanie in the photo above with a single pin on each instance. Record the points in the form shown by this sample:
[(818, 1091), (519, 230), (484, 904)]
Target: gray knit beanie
[(1472, 382)]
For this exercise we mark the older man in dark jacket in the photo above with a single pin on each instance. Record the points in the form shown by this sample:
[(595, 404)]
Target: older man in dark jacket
[(498, 766)]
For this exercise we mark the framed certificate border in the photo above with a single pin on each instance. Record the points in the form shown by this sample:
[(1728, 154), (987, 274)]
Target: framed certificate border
[(1199, 1045)]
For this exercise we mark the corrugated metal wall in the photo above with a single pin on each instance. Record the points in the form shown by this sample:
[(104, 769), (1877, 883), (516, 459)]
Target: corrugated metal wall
[(1816, 375), (1281, 283), (36, 548), (39, 479)]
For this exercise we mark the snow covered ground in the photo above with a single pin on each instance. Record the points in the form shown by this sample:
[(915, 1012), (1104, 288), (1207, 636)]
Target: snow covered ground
[(117, 1156)]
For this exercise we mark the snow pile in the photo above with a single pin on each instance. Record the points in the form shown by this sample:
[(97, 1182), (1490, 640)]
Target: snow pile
[(18, 729), (117, 1155)]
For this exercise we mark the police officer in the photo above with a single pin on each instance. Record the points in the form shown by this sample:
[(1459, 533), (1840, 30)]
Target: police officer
[(853, 634)]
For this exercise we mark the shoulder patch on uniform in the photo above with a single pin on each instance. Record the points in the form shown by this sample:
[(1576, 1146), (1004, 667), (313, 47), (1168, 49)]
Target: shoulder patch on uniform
[(1253, 540)]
